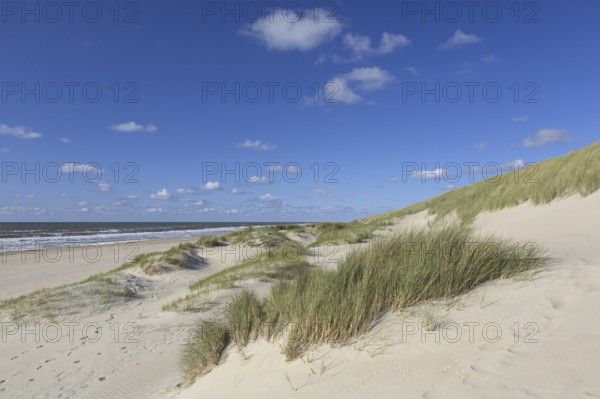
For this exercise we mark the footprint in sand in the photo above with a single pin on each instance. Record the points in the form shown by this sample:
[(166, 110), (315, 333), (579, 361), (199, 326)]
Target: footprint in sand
[(41, 346), (101, 379), (557, 302), (15, 357), (2, 381)]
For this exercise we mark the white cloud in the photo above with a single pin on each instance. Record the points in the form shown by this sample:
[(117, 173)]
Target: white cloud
[(460, 39), (520, 119), (429, 174), (361, 47), (64, 140), (256, 145), (258, 180), (84, 168), (480, 146), (154, 210), (184, 191), (199, 203), (19, 132), (104, 186), (392, 180), (285, 30), (211, 186), (132, 197), (236, 191), (132, 127), (345, 87), (4, 149), (268, 198), (161, 194), (490, 58), (412, 70), (543, 137), (516, 164), (231, 211)]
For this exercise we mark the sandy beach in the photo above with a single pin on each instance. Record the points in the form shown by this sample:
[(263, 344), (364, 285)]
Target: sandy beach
[(507, 338)]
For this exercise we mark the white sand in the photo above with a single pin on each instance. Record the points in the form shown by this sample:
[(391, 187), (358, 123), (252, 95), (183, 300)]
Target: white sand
[(554, 355)]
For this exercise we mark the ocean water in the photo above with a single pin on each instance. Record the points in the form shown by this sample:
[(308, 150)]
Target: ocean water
[(31, 236)]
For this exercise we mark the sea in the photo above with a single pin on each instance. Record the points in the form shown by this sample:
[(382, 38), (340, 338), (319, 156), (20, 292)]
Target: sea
[(32, 236)]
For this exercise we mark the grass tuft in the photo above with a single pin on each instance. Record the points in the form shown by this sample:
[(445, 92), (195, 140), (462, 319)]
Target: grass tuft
[(204, 350), (413, 267)]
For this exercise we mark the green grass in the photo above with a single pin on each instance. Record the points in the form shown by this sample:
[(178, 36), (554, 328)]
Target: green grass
[(268, 237), (575, 173), (211, 241), (269, 264), (412, 267), (339, 233), (103, 286), (205, 349)]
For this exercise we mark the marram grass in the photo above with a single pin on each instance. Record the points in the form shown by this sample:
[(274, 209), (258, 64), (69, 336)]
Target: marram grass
[(321, 306), (575, 173)]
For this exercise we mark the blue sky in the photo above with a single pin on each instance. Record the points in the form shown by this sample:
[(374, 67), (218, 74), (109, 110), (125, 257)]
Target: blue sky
[(379, 98)]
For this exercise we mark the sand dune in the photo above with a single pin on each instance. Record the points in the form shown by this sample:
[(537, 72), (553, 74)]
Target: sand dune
[(526, 337)]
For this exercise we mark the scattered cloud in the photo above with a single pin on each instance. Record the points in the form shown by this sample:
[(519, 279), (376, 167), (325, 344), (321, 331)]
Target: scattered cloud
[(520, 119), (161, 194), (284, 30), (345, 88), (480, 146), (258, 180), (199, 203), (154, 210), (184, 191), (211, 186), (544, 137), (64, 140), (360, 46), (257, 145), (514, 165), (19, 132), (489, 59), (392, 180), (83, 168), (268, 198), (460, 39), (104, 186), (412, 70), (236, 191), (429, 174), (4, 149), (132, 127)]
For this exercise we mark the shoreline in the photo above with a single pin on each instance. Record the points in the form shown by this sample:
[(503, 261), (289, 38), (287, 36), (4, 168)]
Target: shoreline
[(23, 272)]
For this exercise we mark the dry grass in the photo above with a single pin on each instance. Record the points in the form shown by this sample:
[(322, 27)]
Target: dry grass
[(412, 267), (575, 173)]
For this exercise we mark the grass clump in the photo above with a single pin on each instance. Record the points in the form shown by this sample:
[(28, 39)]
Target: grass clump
[(244, 318), (211, 241), (269, 264), (267, 237), (409, 268), (204, 350), (339, 233), (413, 267)]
